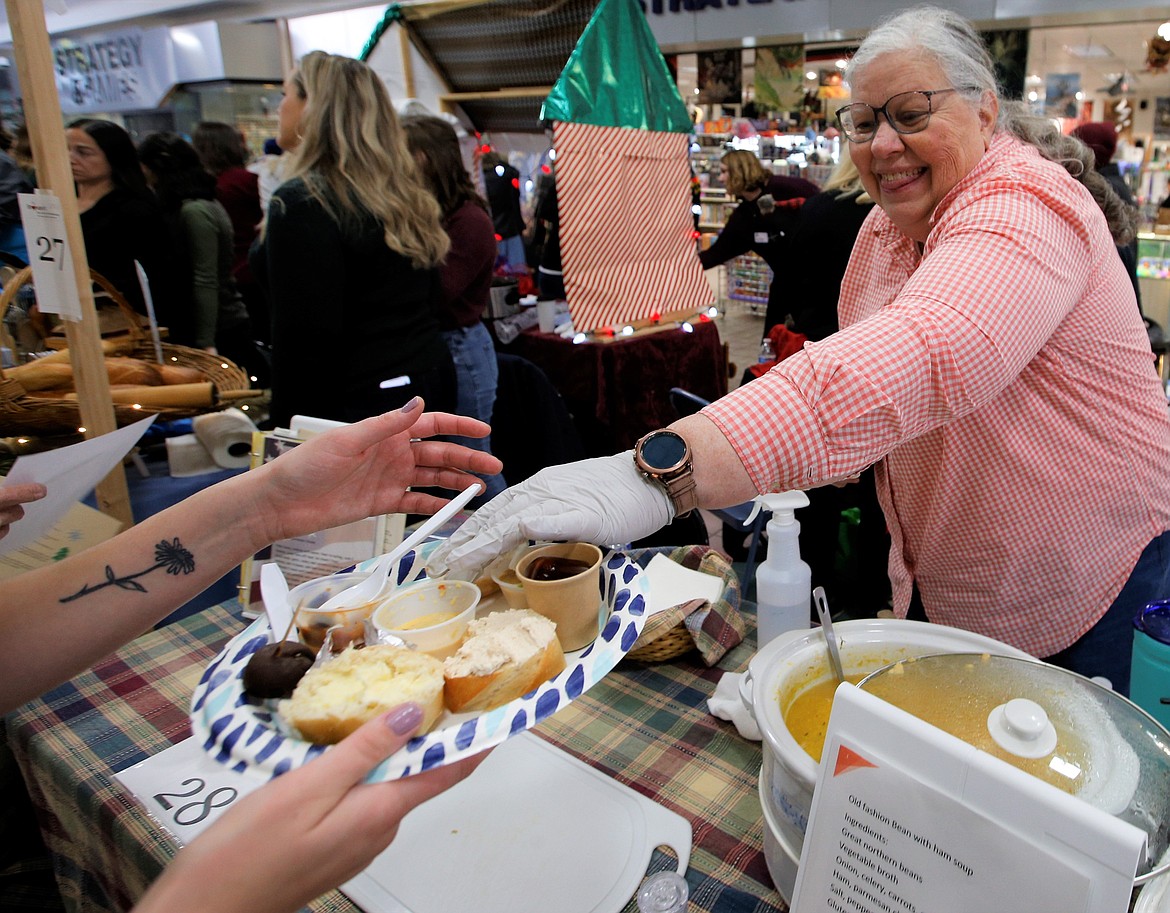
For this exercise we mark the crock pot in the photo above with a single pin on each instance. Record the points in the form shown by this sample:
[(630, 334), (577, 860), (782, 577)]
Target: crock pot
[(1054, 724), (797, 660)]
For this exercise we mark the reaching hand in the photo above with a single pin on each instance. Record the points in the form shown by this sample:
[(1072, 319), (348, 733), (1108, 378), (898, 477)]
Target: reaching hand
[(11, 499), (365, 469), (306, 832), (605, 501)]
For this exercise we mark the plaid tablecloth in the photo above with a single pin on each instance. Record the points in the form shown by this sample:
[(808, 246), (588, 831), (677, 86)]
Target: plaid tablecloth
[(646, 725)]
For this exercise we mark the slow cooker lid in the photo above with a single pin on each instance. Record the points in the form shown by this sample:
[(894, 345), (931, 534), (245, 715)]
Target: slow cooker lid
[(1106, 750)]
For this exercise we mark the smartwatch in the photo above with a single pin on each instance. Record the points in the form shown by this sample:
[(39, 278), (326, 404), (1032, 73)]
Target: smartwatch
[(664, 457)]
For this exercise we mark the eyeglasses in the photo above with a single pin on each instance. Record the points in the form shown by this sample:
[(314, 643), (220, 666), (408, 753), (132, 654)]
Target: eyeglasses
[(906, 112)]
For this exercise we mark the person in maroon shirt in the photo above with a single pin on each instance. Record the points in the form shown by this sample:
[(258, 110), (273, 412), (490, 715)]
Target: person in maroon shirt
[(221, 149), (466, 274)]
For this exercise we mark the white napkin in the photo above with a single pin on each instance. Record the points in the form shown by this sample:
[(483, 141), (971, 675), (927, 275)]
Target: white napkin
[(671, 584), (726, 704)]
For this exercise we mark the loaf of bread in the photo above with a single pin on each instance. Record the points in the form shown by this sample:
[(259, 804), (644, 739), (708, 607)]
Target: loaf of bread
[(36, 376), (336, 697), (503, 656), (132, 371), (180, 374)]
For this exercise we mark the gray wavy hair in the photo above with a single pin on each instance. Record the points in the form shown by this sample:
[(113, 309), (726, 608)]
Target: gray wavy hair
[(953, 43)]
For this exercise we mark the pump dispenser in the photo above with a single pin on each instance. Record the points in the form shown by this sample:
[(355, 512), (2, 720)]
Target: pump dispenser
[(783, 581)]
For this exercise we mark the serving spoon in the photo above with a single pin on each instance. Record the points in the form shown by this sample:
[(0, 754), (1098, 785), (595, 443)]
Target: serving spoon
[(369, 588), (822, 604)]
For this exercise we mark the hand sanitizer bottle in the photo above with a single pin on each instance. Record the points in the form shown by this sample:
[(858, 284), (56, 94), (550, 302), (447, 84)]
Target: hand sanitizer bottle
[(783, 581)]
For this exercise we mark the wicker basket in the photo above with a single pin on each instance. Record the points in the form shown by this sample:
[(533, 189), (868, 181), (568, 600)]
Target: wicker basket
[(665, 635), (26, 413), (671, 644)]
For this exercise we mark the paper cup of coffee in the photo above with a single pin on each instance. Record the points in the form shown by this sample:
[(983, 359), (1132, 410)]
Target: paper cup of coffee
[(562, 582)]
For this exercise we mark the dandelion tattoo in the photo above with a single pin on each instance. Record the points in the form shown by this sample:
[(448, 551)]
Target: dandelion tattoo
[(170, 556)]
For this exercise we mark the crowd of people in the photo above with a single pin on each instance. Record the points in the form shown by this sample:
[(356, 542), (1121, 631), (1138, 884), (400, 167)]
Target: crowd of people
[(974, 353), (325, 268)]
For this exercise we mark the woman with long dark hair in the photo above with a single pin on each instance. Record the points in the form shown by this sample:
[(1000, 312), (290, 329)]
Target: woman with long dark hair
[(120, 219)]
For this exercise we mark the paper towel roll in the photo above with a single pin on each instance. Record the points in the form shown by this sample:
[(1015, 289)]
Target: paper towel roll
[(186, 456), (227, 435)]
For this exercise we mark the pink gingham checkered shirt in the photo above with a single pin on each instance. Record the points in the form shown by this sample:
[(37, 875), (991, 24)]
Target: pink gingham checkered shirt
[(1005, 377)]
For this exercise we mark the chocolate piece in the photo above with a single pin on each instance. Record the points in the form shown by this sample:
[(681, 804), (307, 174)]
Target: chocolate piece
[(275, 669)]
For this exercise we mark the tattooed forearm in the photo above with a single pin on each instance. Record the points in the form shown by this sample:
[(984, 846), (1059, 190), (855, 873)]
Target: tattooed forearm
[(170, 556)]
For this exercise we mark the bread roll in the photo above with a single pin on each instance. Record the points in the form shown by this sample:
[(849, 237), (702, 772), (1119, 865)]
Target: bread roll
[(180, 374), (39, 375), (503, 656), (132, 371), (336, 697)]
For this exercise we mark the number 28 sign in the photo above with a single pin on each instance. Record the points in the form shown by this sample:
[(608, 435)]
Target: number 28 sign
[(184, 789), (49, 255)]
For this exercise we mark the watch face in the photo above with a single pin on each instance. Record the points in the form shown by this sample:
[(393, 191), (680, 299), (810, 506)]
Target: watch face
[(664, 451)]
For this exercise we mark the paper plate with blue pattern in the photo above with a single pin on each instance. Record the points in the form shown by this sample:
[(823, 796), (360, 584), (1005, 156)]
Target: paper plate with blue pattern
[(246, 734)]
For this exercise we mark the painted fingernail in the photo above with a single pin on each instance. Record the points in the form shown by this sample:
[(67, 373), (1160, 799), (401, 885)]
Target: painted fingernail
[(412, 405), (405, 719)]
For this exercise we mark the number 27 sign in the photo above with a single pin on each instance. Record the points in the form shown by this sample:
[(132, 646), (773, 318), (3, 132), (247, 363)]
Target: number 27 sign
[(49, 255)]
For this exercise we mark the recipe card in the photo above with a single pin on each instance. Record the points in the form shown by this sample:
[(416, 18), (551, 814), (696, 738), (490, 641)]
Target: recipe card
[(906, 817)]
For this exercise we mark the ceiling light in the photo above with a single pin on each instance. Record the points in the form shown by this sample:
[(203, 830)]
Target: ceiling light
[(1087, 51)]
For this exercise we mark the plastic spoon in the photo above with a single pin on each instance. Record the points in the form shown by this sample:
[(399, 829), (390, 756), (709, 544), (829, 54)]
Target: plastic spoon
[(369, 588), (822, 604)]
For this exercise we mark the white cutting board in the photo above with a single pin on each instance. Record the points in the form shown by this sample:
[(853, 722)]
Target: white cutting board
[(533, 826)]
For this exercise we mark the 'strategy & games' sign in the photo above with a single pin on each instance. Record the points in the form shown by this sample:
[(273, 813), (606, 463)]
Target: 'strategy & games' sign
[(124, 70)]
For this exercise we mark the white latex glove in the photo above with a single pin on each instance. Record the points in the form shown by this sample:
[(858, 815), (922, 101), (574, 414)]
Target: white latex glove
[(604, 501)]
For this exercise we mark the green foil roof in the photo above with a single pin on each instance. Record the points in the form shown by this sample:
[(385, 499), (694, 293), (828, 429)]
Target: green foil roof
[(617, 77)]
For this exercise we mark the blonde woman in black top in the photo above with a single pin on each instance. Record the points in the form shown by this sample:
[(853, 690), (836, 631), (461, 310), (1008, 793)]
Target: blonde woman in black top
[(349, 255)]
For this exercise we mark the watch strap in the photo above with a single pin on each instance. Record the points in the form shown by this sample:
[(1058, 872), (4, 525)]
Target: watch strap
[(682, 491)]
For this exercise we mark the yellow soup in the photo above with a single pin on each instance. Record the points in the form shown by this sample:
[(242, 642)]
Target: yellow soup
[(426, 621), (807, 716)]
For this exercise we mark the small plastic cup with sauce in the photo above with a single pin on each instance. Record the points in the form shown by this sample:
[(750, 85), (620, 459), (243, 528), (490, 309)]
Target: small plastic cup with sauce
[(307, 598), (431, 616), (512, 588)]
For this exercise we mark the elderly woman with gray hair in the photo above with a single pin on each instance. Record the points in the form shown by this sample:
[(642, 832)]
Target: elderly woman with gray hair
[(990, 362)]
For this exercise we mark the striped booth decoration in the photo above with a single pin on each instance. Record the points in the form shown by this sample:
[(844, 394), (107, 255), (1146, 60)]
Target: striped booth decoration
[(627, 244)]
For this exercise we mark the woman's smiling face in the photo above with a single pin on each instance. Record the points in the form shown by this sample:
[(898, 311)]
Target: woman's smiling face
[(908, 174)]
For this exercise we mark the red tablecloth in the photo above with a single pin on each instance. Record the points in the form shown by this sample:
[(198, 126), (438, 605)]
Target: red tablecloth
[(619, 390)]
